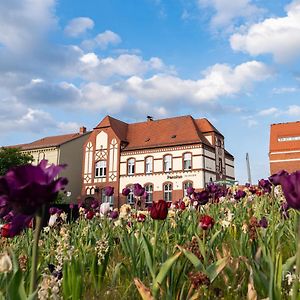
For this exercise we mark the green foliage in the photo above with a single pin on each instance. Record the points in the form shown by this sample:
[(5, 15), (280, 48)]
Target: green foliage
[(12, 157)]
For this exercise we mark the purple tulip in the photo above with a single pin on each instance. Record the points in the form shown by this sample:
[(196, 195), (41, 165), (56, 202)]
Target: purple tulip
[(71, 205), (138, 190), (26, 188), (109, 191), (275, 179), (239, 194), (212, 188), (125, 191), (190, 190), (94, 204), (263, 222), (265, 185), (114, 214), (202, 197), (291, 189), (53, 210)]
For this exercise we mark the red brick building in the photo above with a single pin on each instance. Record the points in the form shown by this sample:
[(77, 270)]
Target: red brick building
[(165, 156), (285, 147)]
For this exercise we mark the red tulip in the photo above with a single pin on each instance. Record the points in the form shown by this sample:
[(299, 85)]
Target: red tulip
[(182, 205), (159, 210), (5, 230), (90, 215), (206, 222)]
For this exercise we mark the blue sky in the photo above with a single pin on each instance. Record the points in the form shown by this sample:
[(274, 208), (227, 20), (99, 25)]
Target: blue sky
[(64, 64)]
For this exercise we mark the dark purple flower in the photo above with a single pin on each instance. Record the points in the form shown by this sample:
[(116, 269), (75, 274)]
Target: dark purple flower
[(276, 178), (265, 185), (109, 191), (114, 214), (28, 187), (291, 189), (263, 222), (16, 225), (125, 191), (190, 190), (138, 190), (94, 204), (53, 210), (239, 194), (247, 185), (202, 197), (159, 210), (212, 188)]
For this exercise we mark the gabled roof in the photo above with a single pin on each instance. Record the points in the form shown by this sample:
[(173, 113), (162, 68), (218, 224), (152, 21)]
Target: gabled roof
[(205, 126), (119, 127), (49, 141), (164, 132)]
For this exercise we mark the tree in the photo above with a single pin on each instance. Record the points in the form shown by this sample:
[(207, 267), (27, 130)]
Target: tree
[(12, 157)]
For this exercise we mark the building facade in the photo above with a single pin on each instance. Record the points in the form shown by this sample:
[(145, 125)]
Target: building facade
[(165, 156), (61, 149), (284, 153)]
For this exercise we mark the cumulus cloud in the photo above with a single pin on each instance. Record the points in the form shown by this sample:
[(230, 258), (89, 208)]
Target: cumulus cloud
[(227, 13), (291, 110), (278, 36), (269, 111), (78, 26), (102, 40)]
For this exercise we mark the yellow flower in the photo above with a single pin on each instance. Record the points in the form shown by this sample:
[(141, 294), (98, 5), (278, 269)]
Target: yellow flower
[(5, 263)]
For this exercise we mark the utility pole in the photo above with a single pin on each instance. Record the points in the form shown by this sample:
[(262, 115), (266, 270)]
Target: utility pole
[(248, 168)]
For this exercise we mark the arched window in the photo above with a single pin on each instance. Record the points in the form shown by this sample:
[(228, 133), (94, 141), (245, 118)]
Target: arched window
[(168, 192), (186, 184), (130, 196), (168, 163), (131, 166), (100, 168), (187, 161), (149, 190), (104, 198), (149, 165)]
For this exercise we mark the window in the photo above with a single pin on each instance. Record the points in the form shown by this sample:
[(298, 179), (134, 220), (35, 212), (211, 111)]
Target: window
[(168, 192), (149, 165), (105, 198), (149, 190), (187, 161), (168, 163), (185, 187), (131, 166), (130, 196), (100, 168), (288, 138), (220, 165)]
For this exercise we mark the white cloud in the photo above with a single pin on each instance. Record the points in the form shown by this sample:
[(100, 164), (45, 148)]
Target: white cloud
[(279, 36), (293, 110), (95, 68), (219, 80), (24, 23), (228, 12), (269, 111), (78, 26), (285, 90), (102, 40)]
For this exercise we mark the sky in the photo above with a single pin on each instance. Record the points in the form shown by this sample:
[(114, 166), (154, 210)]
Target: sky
[(66, 64)]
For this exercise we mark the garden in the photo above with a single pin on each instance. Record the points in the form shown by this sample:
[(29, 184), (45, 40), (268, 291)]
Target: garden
[(240, 242)]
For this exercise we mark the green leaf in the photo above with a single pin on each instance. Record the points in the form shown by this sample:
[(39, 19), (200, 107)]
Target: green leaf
[(193, 259), (216, 268), (163, 272), (16, 290), (148, 254), (289, 263)]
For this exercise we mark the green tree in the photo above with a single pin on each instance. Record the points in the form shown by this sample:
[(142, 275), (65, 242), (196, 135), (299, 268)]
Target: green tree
[(12, 157)]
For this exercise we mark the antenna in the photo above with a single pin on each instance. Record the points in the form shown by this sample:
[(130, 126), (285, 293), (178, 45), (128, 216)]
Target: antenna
[(248, 168)]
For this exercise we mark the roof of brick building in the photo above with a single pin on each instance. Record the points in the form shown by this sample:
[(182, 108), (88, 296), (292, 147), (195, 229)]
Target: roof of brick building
[(163, 132)]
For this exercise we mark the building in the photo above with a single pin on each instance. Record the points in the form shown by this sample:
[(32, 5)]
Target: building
[(284, 151), (61, 149), (165, 156)]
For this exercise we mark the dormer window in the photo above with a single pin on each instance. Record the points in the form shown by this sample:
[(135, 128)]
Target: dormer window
[(187, 161), (168, 163), (131, 166), (100, 168)]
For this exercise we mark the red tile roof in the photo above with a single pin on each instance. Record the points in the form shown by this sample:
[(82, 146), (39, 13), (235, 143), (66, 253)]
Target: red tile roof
[(50, 141), (163, 132)]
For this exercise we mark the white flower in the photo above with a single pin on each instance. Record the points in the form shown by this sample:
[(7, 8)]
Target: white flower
[(104, 208), (5, 263), (52, 220)]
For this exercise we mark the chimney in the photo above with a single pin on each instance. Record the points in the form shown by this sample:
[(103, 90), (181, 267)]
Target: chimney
[(149, 118), (82, 130)]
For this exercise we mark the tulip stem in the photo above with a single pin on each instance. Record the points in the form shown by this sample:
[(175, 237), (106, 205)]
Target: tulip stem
[(296, 281), (34, 258)]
